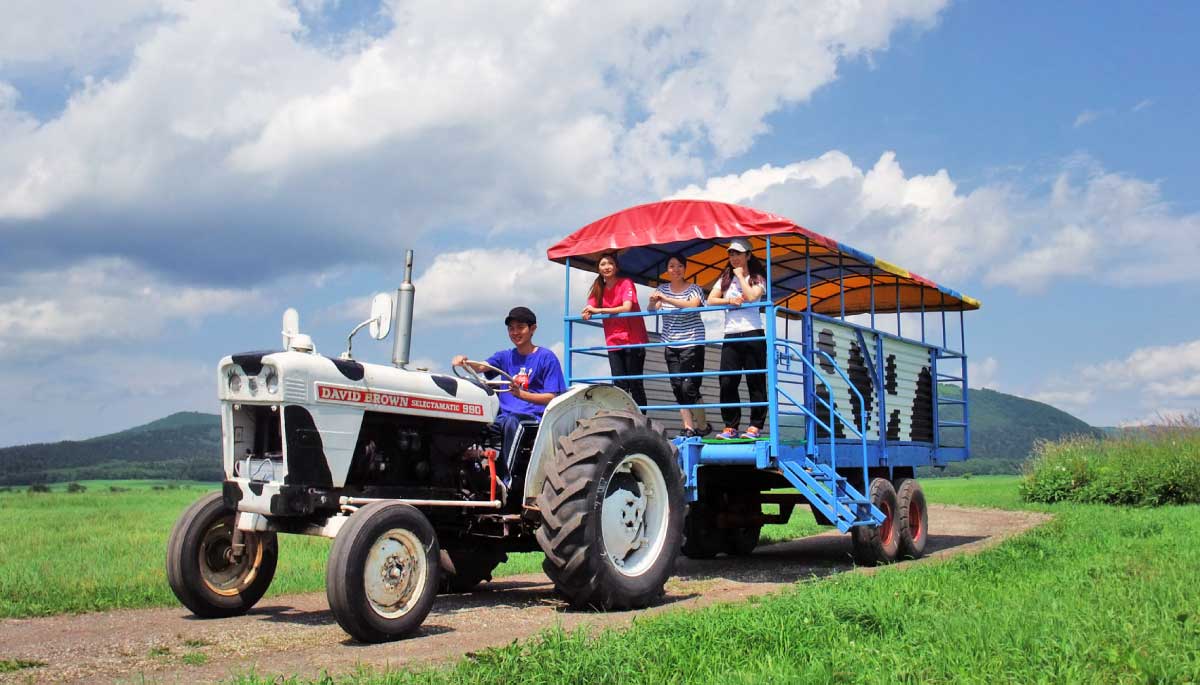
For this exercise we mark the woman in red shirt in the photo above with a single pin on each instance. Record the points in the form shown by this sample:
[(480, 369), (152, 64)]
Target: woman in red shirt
[(614, 294)]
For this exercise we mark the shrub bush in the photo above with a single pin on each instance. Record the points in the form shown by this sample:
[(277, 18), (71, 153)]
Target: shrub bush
[(76, 487), (1144, 466), (39, 487)]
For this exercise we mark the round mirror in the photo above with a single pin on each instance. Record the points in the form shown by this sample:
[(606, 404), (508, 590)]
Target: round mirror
[(381, 316), (291, 326)]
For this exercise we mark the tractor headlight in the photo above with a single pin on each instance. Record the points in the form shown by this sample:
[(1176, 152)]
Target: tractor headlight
[(235, 382), (272, 382)]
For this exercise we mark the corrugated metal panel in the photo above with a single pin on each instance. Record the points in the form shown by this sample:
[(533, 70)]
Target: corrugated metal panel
[(841, 343), (909, 390)]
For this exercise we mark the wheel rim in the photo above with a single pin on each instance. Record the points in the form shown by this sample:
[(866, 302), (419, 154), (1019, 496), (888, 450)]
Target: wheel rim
[(916, 524), (220, 573), (395, 572), (634, 515), (886, 528)]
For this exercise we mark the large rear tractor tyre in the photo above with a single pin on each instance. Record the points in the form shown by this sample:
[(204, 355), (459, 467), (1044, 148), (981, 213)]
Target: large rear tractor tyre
[(874, 545), (201, 569), (383, 572), (912, 519), (464, 568), (612, 512), (701, 538)]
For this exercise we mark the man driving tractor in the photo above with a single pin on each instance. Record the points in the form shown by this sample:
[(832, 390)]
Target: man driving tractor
[(537, 378)]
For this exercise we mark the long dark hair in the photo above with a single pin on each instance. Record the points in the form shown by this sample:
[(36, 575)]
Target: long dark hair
[(597, 291), (758, 274)]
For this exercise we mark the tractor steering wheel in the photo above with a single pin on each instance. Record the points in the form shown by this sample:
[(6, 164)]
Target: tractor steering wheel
[(502, 384)]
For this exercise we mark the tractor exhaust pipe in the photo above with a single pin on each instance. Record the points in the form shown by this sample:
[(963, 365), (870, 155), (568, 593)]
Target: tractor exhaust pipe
[(402, 343)]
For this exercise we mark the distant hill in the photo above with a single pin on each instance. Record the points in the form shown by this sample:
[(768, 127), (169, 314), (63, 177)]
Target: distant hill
[(1005, 427), (186, 445), (182, 419)]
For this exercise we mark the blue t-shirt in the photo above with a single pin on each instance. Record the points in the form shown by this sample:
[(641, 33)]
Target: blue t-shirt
[(545, 375)]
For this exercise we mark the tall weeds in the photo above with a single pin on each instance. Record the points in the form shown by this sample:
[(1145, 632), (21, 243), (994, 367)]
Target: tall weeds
[(1142, 466)]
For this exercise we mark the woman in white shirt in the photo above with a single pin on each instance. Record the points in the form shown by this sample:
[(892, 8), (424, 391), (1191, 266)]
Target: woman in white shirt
[(744, 280)]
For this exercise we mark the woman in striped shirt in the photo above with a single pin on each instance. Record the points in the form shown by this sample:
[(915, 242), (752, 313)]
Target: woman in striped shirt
[(683, 330)]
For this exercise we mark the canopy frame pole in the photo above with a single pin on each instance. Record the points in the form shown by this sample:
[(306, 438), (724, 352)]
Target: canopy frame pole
[(942, 306), (872, 289), (807, 275), (922, 314), (842, 285), (898, 333), (772, 370), (568, 325), (962, 332)]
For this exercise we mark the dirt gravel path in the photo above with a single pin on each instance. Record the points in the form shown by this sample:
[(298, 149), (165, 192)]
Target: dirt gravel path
[(296, 634)]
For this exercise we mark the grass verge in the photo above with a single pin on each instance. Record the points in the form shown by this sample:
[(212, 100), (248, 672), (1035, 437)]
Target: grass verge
[(1141, 467)]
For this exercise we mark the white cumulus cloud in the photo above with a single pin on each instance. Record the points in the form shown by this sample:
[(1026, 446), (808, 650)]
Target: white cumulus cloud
[(101, 300), (1089, 223), (228, 119)]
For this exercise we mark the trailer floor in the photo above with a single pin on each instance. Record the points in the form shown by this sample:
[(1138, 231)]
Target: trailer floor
[(296, 634)]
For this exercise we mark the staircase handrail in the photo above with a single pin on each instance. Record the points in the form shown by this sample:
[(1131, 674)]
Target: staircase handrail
[(861, 433)]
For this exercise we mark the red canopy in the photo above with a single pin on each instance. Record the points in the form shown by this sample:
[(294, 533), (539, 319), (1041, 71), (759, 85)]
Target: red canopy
[(806, 266), (673, 221)]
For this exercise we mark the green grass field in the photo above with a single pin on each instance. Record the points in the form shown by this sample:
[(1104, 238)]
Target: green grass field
[(103, 549), (1100, 594)]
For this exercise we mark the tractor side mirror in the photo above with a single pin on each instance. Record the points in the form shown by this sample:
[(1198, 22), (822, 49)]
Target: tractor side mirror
[(380, 322), (381, 316)]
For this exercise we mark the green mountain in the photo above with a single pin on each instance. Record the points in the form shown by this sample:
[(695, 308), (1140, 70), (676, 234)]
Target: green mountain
[(186, 445), (1004, 429)]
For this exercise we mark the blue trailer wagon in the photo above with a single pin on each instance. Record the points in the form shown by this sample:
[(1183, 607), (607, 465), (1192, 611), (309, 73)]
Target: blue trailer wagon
[(866, 376)]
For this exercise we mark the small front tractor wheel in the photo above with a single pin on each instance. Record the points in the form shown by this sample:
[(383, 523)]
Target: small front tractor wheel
[(880, 544), (912, 519), (383, 572), (463, 568), (612, 512), (201, 568)]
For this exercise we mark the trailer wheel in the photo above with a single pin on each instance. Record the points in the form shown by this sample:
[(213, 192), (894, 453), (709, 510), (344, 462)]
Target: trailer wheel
[(383, 572), (200, 567), (912, 519), (463, 568), (740, 542), (612, 512), (701, 538), (878, 544)]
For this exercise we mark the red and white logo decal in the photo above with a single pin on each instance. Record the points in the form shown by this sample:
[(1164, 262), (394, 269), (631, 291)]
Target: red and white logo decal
[(378, 398)]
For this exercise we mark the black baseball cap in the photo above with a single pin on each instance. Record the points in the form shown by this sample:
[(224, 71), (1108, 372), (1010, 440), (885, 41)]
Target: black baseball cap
[(521, 315)]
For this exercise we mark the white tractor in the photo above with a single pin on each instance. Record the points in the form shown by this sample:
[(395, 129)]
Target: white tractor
[(399, 468)]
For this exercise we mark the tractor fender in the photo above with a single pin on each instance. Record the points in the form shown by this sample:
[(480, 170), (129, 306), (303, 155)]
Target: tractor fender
[(563, 412)]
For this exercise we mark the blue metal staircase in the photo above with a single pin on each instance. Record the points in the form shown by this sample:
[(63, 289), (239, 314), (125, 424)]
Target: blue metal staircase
[(821, 484)]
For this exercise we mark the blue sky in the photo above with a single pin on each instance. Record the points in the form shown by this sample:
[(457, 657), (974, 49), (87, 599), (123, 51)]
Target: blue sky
[(172, 177)]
